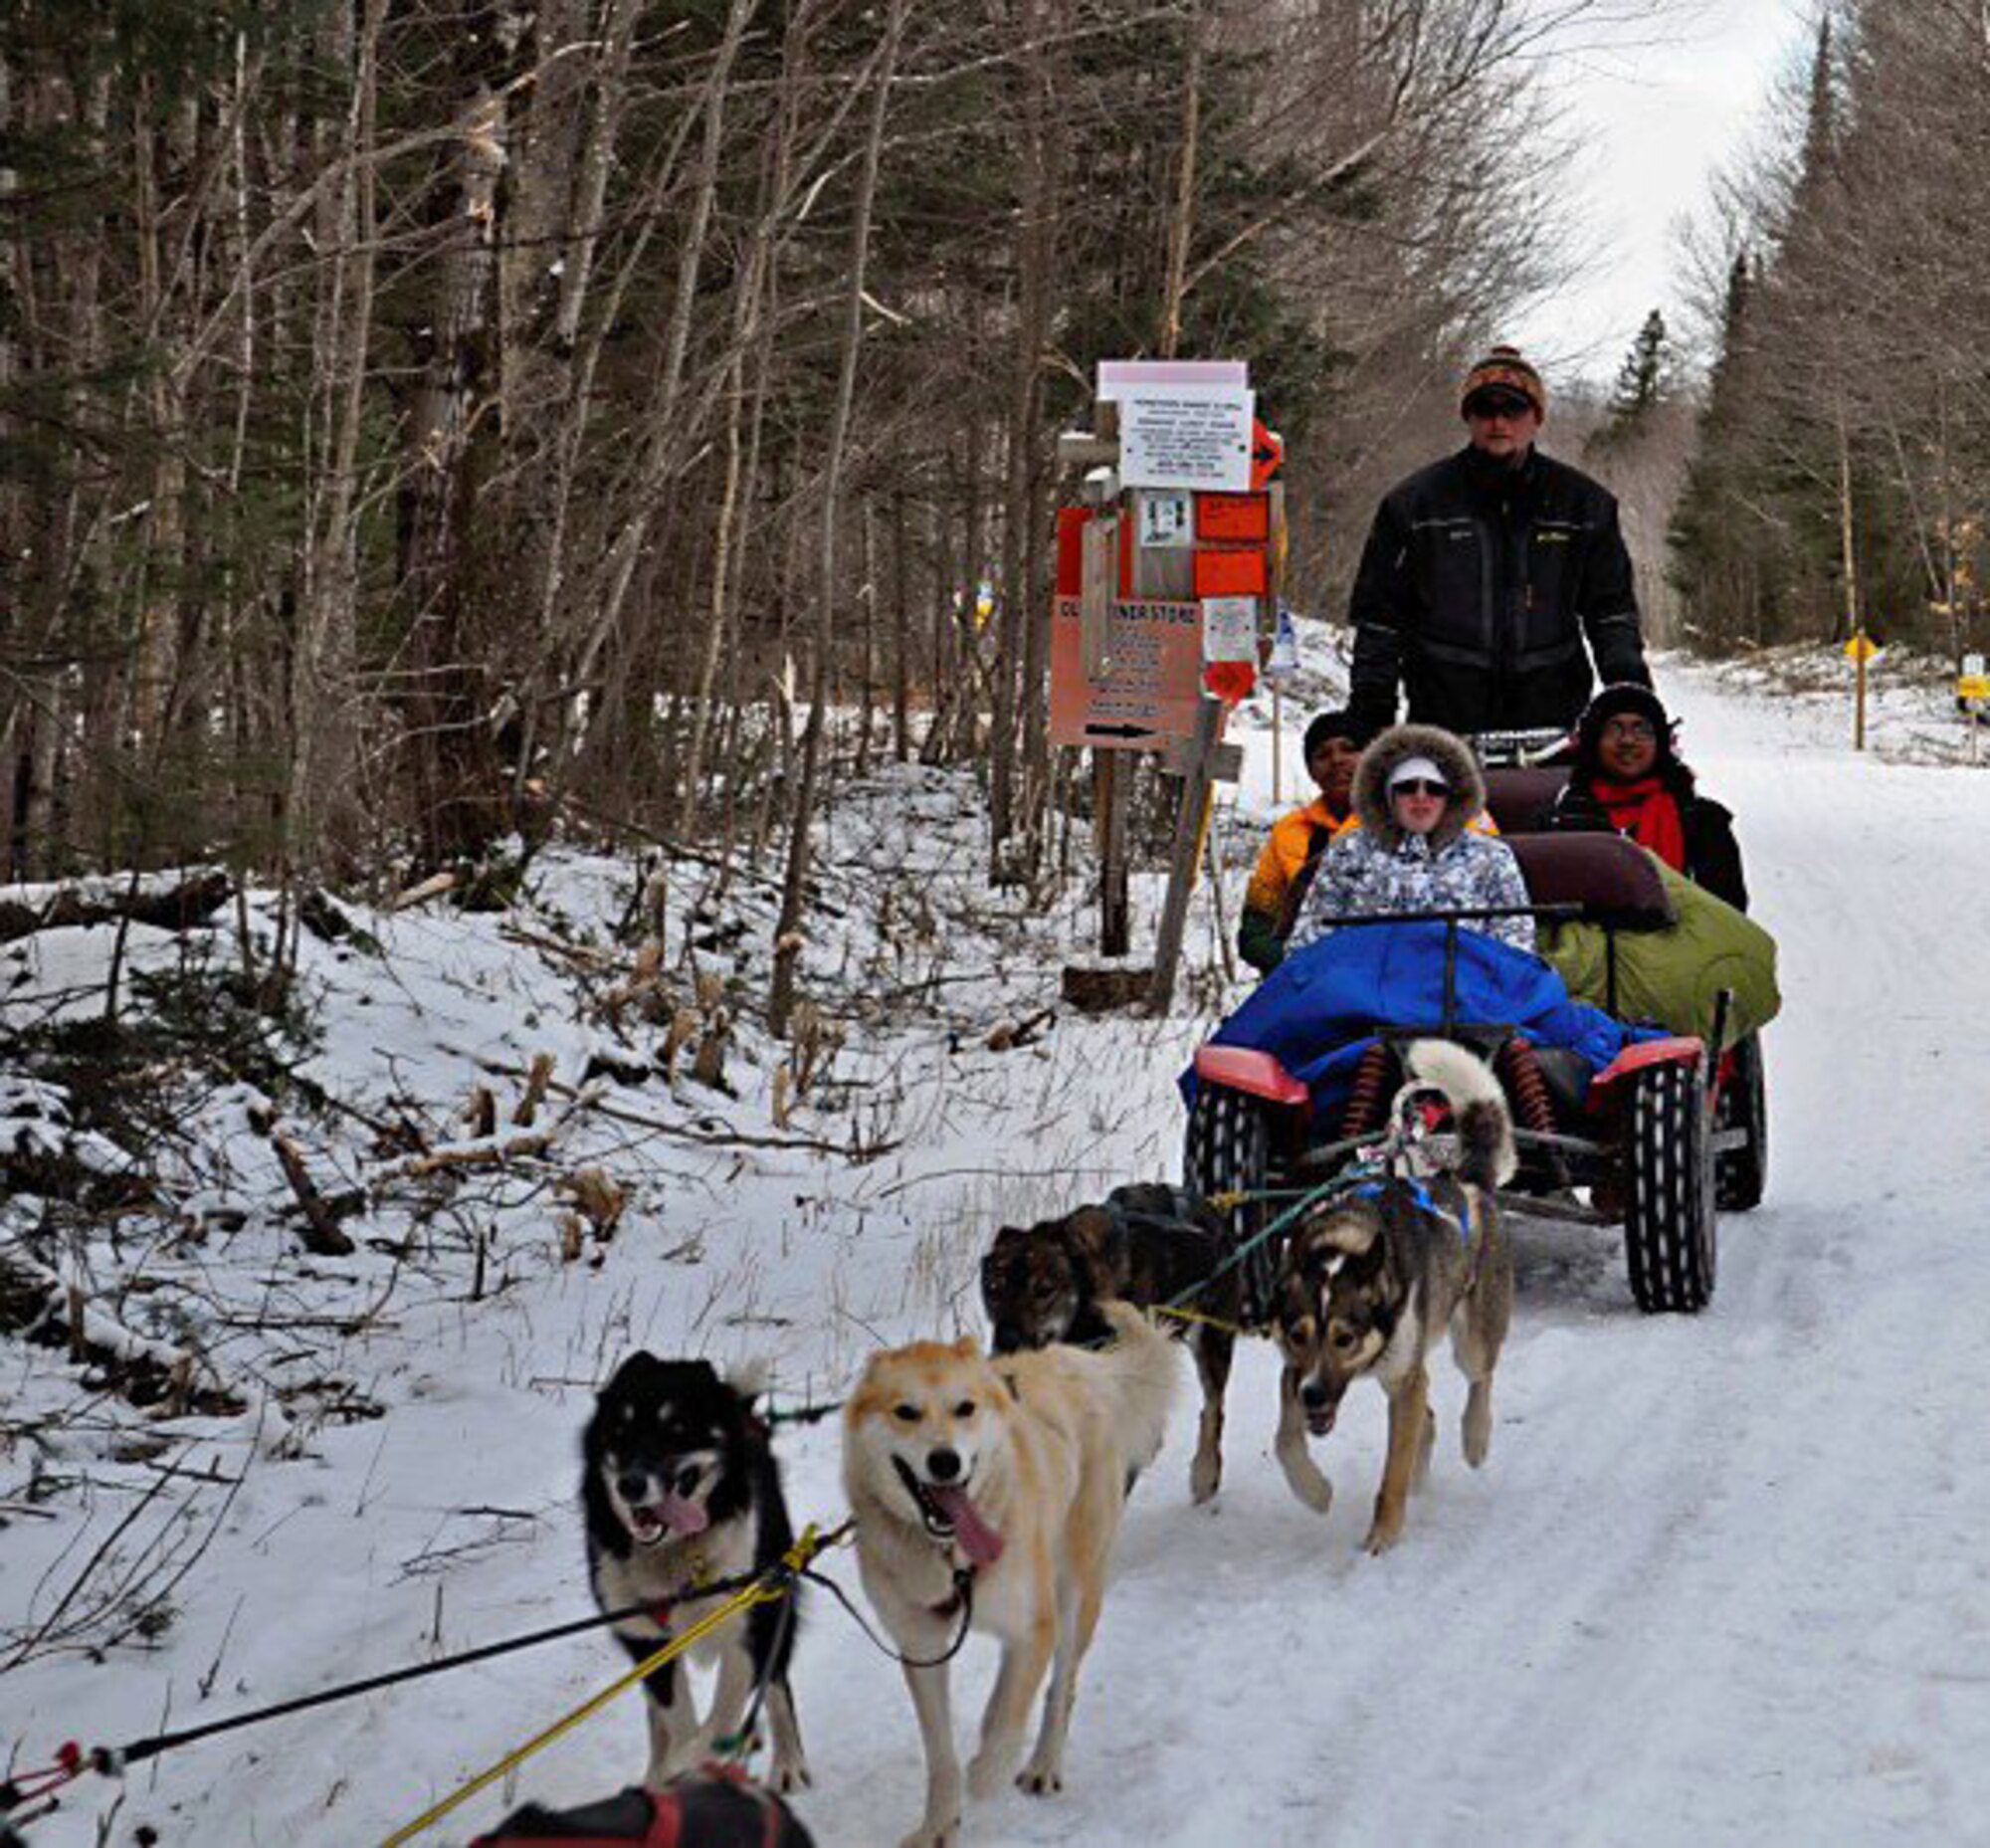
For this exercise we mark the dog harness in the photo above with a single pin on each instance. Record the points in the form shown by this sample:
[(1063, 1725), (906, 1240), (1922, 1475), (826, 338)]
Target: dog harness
[(662, 1612), (1422, 1196)]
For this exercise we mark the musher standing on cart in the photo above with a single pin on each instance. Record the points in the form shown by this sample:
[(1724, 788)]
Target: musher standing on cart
[(1490, 578)]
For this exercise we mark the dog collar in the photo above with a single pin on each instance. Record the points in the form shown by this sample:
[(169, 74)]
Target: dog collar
[(956, 1597), (700, 1576)]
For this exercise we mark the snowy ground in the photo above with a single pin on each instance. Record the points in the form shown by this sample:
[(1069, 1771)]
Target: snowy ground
[(1724, 1580)]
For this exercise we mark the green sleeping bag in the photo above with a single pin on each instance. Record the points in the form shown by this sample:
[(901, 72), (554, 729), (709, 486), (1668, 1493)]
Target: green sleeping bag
[(1674, 977)]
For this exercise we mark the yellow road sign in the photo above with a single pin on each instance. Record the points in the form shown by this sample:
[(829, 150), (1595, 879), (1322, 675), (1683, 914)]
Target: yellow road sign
[(1973, 687), (1862, 647)]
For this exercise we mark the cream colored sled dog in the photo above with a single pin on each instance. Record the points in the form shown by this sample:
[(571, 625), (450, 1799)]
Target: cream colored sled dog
[(993, 1490)]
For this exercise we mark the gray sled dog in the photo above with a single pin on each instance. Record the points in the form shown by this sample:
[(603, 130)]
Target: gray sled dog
[(989, 1492), (1370, 1282)]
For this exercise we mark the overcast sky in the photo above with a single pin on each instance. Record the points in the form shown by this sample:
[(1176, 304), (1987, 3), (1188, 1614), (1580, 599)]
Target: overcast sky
[(1655, 118)]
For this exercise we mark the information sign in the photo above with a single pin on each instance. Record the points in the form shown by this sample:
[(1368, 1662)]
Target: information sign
[(1116, 377), (1151, 692), (1283, 665), (1165, 518), (1186, 436), (1229, 629)]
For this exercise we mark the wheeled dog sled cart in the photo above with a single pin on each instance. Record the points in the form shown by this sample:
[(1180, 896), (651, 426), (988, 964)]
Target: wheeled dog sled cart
[(1664, 1136)]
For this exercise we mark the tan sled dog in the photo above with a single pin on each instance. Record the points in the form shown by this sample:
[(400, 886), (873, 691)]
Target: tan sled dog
[(990, 1492)]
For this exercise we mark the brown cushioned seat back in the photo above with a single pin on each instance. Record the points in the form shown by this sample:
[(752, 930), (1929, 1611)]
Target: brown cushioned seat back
[(1516, 794), (1614, 880)]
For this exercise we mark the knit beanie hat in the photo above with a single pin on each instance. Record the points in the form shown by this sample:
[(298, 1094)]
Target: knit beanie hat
[(1336, 725), (1624, 697), (1505, 367)]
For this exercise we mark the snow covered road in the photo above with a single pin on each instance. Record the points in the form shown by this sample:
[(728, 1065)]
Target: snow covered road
[(1724, 1580)]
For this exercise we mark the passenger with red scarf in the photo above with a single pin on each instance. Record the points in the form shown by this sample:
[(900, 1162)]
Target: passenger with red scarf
[(1628, 778)]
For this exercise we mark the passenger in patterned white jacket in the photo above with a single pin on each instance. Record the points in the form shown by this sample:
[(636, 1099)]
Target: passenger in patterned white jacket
[(1416, 792)]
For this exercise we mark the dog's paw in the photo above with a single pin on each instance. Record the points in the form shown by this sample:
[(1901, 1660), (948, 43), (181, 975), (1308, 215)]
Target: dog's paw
[(1040, 1779), (1309, 1485), (790, 1774), (1477, 1432), (1382, 1535), (934, 1835), (1205, 1477), (988, 1772)]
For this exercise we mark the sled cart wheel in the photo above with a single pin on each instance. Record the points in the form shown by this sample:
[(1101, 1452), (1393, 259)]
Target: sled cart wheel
[(1228, 1150), (1669, 1227), (1742, 1171)]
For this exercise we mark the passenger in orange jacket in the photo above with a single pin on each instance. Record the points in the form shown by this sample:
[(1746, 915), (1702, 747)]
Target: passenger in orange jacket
[(1334, 746)]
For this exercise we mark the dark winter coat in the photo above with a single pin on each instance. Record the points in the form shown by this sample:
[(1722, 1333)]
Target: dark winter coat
[(1477, 587), (1712, 855), (1379, 867)]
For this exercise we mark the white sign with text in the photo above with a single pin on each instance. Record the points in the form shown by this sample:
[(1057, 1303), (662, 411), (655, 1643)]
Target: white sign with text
[(1229, 629), (1186, 436), (1166, 519)]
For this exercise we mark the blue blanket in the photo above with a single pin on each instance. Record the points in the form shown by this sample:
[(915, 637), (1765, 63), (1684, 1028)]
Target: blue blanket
[(1317, 1011)]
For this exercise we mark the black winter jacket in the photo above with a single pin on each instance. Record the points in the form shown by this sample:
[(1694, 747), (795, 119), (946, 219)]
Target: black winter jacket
[(1476, 588)]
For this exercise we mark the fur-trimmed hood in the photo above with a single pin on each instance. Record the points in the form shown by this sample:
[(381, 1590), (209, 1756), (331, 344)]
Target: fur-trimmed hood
[(1451, 754)]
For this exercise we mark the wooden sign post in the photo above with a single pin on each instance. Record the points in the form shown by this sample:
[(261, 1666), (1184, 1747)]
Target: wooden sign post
[(1862, 648), (1972, 692), (1199, 769), (1179, 540)]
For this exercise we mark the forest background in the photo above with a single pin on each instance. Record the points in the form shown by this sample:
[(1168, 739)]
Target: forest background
[(424, 422)]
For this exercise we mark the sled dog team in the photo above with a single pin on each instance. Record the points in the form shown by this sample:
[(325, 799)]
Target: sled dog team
[(987, 1490)]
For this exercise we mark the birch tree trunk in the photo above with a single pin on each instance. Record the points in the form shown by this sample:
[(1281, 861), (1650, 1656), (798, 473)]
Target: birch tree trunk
[(666, 430), (787, 940), (322, 691), (449, 710)]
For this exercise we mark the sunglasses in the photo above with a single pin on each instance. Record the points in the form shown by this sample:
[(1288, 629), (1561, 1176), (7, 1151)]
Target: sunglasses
[(1420, 786), (1503, 405)]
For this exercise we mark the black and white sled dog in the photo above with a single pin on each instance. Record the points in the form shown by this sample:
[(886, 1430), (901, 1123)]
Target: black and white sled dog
[(680, 1486), (1374, 1278)]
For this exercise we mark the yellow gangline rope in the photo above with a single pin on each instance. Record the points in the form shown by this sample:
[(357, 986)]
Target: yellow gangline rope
[(762, 1591), (1193, 1315)]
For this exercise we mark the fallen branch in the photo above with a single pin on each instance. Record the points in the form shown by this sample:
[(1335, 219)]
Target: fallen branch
[(711, 1138), (588, 960), (182, 907), (431, 888), (323, 1237), (36, 1303), (1012, 1034), (473, 1155)]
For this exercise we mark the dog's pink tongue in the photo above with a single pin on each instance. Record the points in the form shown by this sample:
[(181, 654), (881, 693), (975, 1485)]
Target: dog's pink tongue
[(683, 1517), (981, 1543)]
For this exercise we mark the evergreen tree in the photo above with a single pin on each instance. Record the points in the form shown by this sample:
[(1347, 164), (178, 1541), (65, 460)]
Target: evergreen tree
[(1643, 378)]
